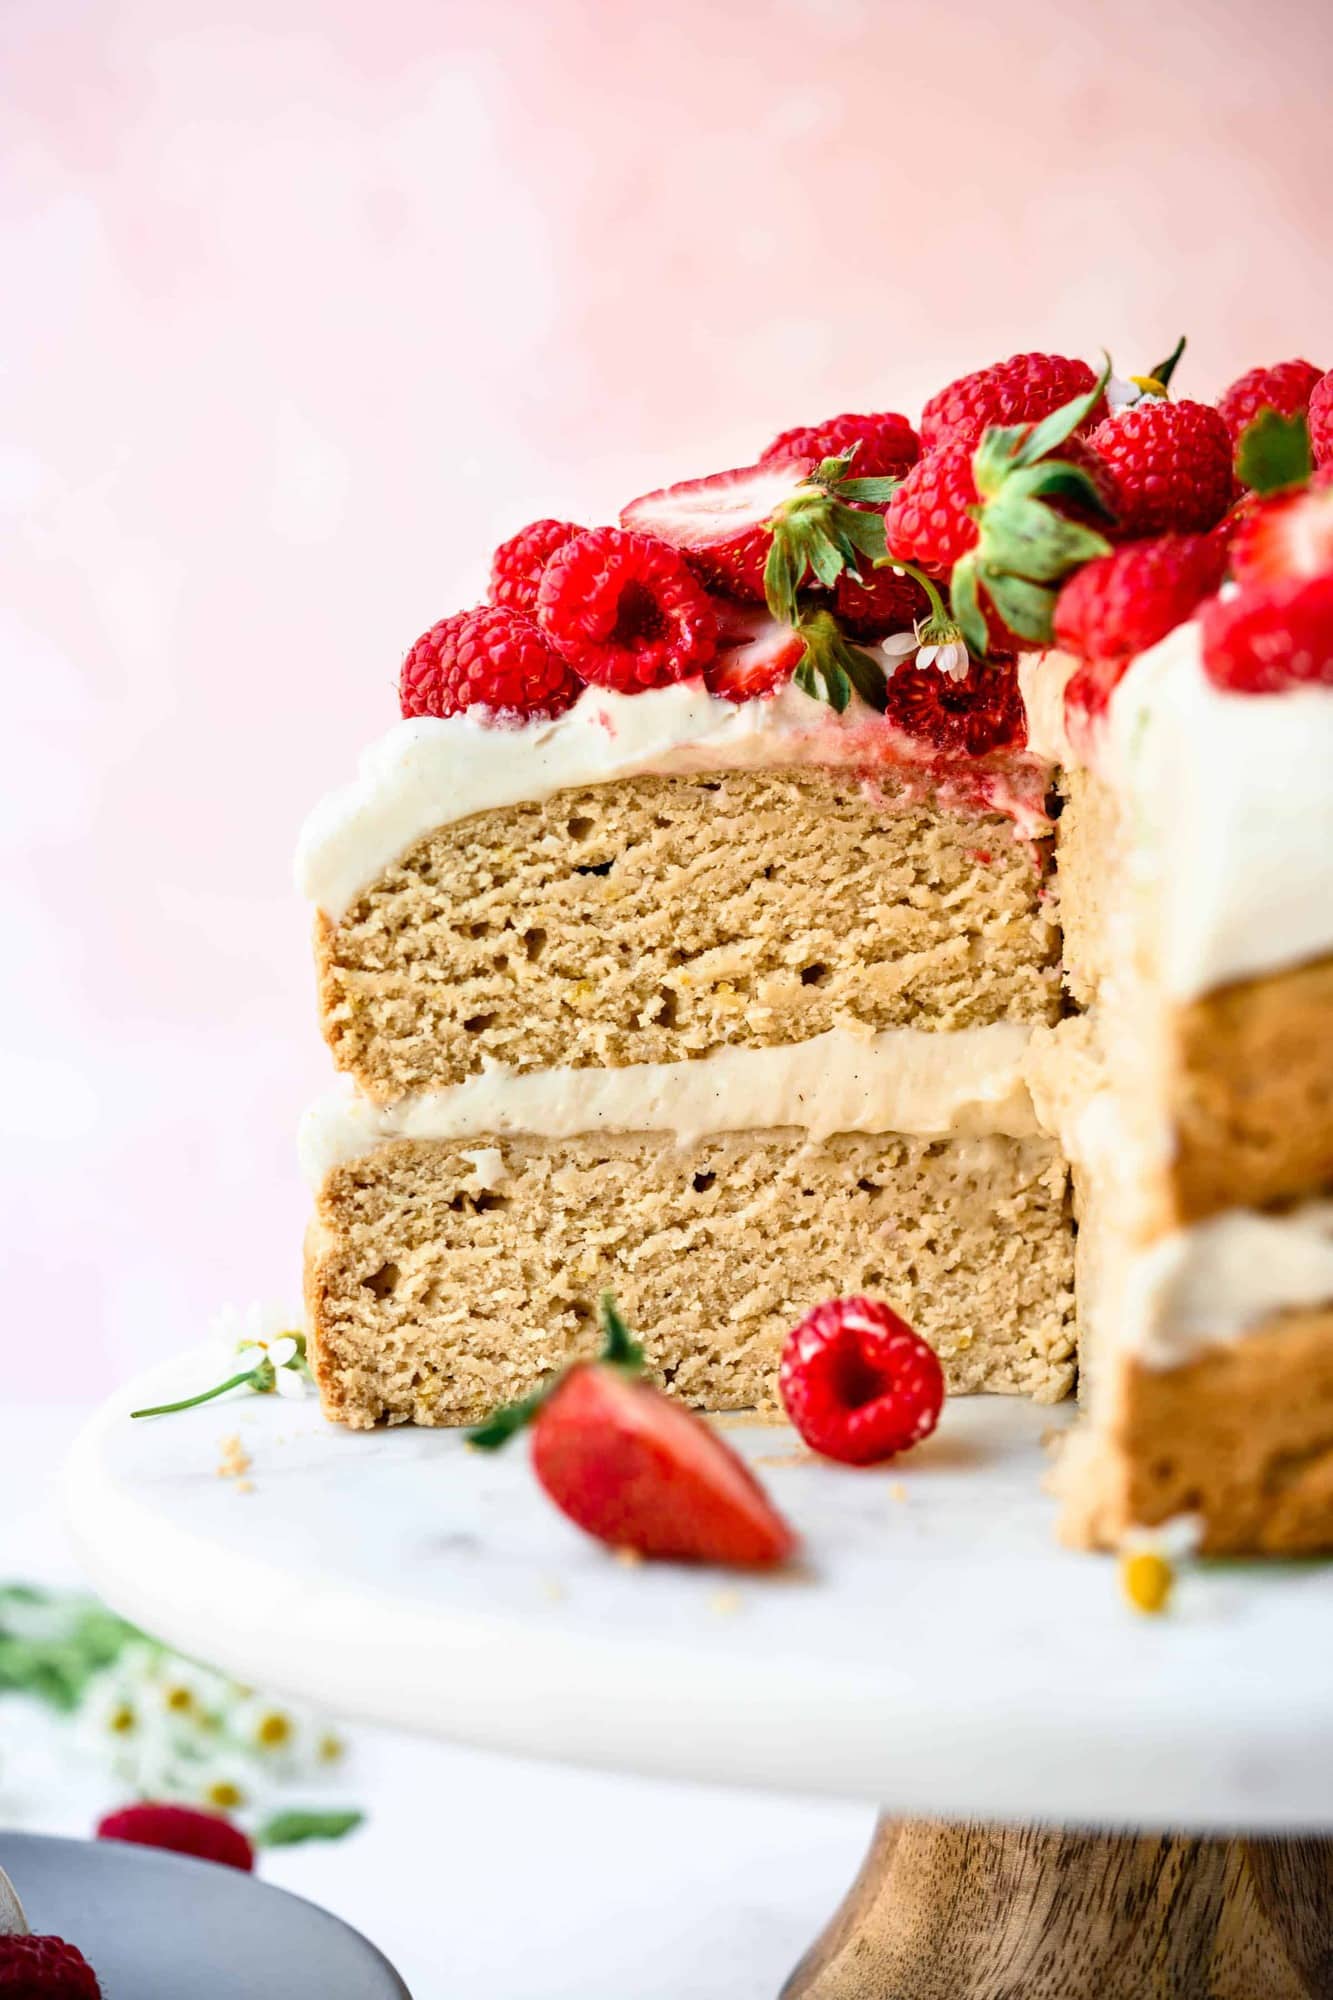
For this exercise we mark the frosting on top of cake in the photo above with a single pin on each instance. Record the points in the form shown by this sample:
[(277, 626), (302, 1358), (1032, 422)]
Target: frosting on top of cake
[(929, 1085), (431, 771), (1230, 798)]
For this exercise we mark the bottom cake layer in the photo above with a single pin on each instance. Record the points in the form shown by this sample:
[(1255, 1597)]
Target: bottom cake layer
[(1240, 1437), (443, 1279)]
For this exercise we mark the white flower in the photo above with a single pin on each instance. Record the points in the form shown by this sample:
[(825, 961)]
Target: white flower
[(259, 1333), (273, 1731), (898, 648), (1122, 395), (949, 659)]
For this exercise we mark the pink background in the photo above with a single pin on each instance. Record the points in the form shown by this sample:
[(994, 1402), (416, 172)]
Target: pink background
[(308, 304)]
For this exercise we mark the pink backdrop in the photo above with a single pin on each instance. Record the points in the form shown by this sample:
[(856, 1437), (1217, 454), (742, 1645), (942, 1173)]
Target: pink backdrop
[(307, 304)]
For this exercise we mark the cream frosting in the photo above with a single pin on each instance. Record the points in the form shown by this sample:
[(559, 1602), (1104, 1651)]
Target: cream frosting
[(1230, 801), (431, 771), (1219, 1280), (969, 1082)]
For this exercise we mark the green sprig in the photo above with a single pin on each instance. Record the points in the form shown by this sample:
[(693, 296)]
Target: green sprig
[(619, 1350), (817, 534)]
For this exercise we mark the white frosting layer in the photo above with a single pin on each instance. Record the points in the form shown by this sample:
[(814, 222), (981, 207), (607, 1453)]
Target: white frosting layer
[(1231, 805), (1219, 1280), (901, 1080), (431, 771)]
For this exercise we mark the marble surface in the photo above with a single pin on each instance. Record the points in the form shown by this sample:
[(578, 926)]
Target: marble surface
[(937, 1653), (626, 1885)]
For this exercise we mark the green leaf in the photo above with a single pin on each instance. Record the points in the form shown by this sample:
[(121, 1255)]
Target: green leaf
[(1166, 369), (837, 689), (1274, 452), (1026, 608), (1027, 538), (865, 532), (1057, 478), (996, 456), (807, 680), (827, 561), (866, 676), (621, 1350), (780, 578), (288, 1829), (507, 1421), (966, 605), (882, 488), (1062, 423)]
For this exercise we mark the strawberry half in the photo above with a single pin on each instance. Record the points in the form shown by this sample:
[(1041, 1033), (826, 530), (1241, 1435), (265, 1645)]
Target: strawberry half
[(1290, 536), (722, 523), (638, 1471), (755, 653)]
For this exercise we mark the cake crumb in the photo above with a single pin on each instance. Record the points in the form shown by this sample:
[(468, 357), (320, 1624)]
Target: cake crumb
[(235, 1460), (898, 1490), (788, 1458), (553, 1590), (245, 1486), (628, 1558), (725, 1603)]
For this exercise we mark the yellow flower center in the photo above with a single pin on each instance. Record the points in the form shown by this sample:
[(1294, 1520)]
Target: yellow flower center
[(224, 1795), (273, 1730), (122, 1719), (1146, 1577), (179, 1700)]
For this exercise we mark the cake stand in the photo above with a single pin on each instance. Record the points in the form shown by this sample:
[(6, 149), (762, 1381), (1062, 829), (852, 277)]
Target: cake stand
[(938, 1654)]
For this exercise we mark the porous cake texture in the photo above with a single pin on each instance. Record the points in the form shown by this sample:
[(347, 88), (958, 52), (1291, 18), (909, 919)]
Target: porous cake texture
[(444, 1279), (661, 918)]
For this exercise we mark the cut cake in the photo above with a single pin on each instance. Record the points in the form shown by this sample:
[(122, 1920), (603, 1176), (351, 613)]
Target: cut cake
[(948, 981)]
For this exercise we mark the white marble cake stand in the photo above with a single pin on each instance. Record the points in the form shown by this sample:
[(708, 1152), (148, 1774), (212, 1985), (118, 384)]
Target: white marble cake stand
[(938, 1654)]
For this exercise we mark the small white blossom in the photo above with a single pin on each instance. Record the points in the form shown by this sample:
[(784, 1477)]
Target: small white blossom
[(949, 658), (1122, 395), (898, 648)]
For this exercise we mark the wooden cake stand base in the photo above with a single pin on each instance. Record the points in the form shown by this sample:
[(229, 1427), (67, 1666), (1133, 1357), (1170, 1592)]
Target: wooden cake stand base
[(949, 1911)]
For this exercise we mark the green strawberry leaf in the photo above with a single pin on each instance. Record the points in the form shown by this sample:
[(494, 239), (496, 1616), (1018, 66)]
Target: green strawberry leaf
[(965, 602), (289, 1829), (621, 1350), (1274, 452), (882, 488), (1166, 369), (1026, 608)]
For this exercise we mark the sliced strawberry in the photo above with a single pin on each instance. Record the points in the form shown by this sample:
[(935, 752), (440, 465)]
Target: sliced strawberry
[(1289, 536), (636, 1470), (640, 1472), (722, 523), (755, 653)]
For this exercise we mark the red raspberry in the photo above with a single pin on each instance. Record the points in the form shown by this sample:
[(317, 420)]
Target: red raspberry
[(1121, 604), (517, 565), (887, 446), (491, 658), (858, 1384), (44, 1968), (626, 611), (982, 712), (1265, 641), (877, 603), (1169, 466), (927, 521), (182, 1830), (1023, 389), (1285, 388), (1321, 419)]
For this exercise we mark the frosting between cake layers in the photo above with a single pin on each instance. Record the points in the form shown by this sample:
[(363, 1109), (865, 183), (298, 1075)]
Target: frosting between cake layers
[(909, 1080), (1219, 1280), (431, 771), (1230, 800)]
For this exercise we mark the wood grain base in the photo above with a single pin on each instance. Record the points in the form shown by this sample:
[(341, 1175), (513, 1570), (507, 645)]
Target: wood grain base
[(945, 1911)]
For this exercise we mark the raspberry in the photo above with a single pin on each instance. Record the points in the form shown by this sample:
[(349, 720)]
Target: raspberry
[(626, 611), (1265, 641), (1023, 389), (1321, 419), (493, 659), (182, 1830), (982, 712), (927, 521), (1169, 466), (44, 1968), (517, 565), (1121, 604), (881, 601), (886, 444), (1285, 388), (858, 1384)]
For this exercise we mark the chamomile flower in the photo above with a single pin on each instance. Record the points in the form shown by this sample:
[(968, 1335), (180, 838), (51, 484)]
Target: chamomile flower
[(267, 1354)]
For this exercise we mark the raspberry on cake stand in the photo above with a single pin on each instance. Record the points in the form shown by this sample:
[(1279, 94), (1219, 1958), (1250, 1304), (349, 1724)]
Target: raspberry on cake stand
[(937, 1654)]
